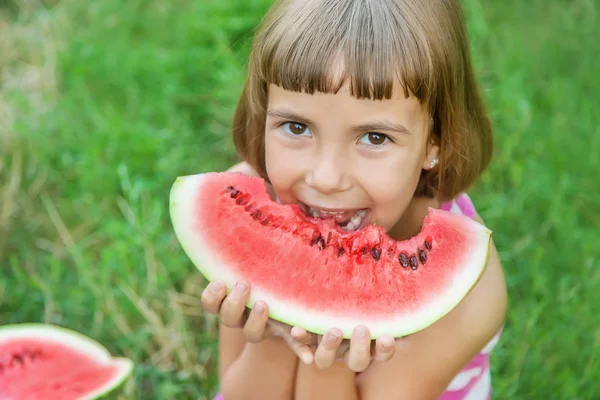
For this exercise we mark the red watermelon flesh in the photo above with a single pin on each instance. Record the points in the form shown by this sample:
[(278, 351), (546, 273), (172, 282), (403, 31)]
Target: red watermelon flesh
[(39, 361), (313, 274)]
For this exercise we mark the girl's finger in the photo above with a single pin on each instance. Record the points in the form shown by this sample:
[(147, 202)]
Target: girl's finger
[(326, 353), (303, 351), (304, 337), (233, 307), (277, 328), (303, 343), (254, 329), (300, 335), (213, 296), (385, 348), (359, 357)]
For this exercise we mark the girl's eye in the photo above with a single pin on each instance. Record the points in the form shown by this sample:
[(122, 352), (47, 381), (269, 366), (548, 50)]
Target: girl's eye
[(295, 128), (374, 139)]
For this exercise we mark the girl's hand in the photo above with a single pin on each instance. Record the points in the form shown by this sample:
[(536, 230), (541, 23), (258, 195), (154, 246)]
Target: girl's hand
[(232, 311), (284, 331), (357, 352)]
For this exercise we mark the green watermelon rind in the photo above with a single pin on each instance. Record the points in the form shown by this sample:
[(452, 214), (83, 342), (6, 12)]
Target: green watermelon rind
[(181, 206), (66, 337)]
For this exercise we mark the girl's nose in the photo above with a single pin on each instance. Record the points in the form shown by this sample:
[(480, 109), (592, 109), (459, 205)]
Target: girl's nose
[(327, 175)]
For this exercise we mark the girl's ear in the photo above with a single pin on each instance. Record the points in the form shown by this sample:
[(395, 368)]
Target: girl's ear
[(432, 156)]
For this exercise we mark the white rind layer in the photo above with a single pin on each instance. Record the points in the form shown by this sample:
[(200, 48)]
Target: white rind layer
[(47, 333), (182, 199)]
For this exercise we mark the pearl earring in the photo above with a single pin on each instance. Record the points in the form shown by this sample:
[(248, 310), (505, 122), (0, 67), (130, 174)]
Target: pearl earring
[(433, 163)]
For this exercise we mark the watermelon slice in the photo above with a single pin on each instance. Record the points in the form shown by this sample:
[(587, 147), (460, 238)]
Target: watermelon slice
[(316, 275), (40, 361)]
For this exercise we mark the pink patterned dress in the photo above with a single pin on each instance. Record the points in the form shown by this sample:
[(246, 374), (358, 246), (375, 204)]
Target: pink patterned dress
[(474, 381)]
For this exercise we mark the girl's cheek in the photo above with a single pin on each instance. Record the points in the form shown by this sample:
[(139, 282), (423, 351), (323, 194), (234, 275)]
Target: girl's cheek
[(285, 162), (283, 171), (389, 179)]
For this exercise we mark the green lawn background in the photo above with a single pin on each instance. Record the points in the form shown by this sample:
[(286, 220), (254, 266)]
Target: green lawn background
[(104, 103)]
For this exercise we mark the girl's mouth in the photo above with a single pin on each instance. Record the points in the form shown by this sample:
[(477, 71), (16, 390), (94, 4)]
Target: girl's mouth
[(348, 220)]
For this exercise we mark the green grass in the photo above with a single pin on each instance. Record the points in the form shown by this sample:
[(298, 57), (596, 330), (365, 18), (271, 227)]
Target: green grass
[(104, 103)]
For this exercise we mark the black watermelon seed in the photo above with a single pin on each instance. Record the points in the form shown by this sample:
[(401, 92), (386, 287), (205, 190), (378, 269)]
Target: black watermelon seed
[(230, 188), (243, 199), (234, 193), (16, 360), (427, 245), (376, 253), (422, 256), (403, 258), (318, 241), (414, 263), (256, 214)]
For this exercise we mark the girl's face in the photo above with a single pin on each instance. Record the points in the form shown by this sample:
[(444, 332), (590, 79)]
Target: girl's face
[(357, 161)]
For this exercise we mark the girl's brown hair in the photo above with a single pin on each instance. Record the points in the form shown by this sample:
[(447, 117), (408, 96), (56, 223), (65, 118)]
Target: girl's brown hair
[(423, 44)]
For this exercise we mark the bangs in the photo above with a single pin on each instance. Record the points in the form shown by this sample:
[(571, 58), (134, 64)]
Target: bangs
[(319, 45)]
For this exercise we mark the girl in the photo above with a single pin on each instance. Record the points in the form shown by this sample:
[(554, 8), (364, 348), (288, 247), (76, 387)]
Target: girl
[(366, 111)]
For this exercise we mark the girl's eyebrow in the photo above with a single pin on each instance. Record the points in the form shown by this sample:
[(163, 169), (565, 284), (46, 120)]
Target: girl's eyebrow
[(382, 125), (285, 114), (374, 126)]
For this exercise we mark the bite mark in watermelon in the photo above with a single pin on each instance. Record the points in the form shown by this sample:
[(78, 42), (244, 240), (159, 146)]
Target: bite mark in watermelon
[(315, 275), (42, 361)]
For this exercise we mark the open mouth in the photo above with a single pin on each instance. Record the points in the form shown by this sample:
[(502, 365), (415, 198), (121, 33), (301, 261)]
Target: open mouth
[(347, 219)]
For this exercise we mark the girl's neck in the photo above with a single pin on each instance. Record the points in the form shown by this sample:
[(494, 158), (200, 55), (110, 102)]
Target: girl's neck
[(411, 221)]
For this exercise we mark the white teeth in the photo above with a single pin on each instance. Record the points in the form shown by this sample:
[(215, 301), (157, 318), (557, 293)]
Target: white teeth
[(356, 220), (314, 212), (349, 227), (352, 224)]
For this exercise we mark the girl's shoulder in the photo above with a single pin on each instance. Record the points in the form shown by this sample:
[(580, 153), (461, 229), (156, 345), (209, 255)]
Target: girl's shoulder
[(461, 204)]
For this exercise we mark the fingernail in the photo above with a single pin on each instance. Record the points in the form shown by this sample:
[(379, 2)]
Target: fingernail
[(215, 287), (259, 307), (307, 359), (332, 337), (387, 341), (241, 286), (361, 333), (297, 332)]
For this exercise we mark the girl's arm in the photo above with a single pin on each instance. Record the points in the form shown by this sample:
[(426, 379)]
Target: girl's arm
[(425, 363), (264, 370), (335, 382)]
